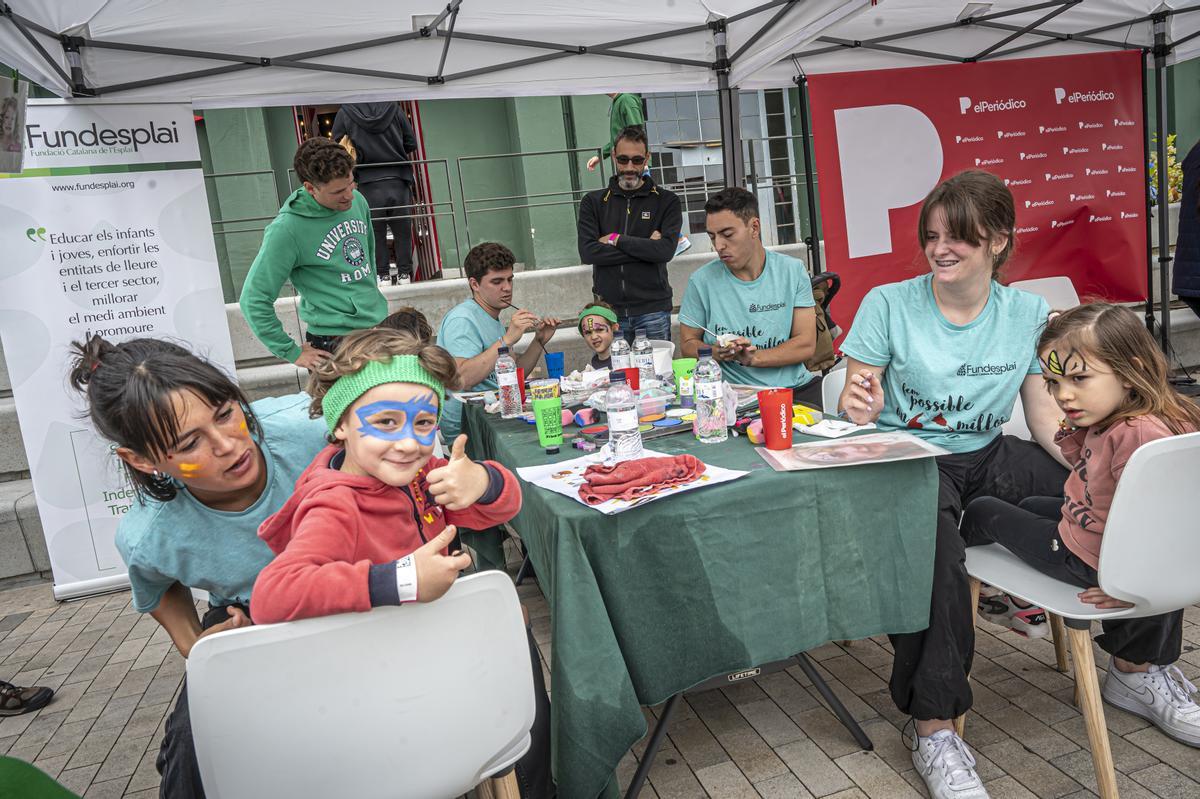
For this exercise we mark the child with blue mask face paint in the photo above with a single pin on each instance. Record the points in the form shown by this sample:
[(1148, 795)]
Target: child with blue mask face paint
[(372, 515)]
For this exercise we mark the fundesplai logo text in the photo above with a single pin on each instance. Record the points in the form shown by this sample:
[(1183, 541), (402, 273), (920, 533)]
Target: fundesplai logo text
[(1093, 96), (965, 104), (93, 136)]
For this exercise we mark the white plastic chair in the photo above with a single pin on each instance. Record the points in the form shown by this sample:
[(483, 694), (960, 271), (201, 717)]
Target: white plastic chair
[(1059, 292), (417, 700), (831, 387), (1148, 557)]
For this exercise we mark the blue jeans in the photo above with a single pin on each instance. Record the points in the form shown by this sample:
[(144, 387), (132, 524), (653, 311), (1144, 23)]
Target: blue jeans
[(657, 325)]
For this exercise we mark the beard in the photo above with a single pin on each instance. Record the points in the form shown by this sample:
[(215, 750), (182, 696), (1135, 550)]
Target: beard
[(629, 180)]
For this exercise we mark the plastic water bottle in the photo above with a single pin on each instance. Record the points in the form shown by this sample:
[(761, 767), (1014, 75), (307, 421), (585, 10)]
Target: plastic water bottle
[(510, 392), (643, 357), (624, 438), (710, 425), (620, 353)]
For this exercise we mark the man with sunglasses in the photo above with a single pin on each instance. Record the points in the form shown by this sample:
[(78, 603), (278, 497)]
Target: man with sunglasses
[(628, 233)]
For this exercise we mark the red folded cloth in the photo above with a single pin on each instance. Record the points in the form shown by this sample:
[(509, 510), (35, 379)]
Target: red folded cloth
[(636, 478)]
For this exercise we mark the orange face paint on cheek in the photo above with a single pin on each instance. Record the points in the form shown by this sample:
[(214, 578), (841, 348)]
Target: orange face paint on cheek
[(188, 470)]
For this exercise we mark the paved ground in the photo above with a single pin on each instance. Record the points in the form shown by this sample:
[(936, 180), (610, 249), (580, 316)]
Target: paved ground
[(117, 675)]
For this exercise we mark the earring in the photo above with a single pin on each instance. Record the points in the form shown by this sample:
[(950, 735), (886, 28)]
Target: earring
[(157, 475)]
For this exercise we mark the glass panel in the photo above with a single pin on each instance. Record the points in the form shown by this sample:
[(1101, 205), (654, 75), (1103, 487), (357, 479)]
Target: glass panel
[(689, 129), (708, 106), (711, 129), (773, 98)]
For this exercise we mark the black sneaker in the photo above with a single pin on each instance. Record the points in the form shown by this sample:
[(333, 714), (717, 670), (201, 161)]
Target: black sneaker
[(15, 700)]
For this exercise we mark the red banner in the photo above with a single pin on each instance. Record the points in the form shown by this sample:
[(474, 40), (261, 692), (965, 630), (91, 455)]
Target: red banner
[(1065, 134)]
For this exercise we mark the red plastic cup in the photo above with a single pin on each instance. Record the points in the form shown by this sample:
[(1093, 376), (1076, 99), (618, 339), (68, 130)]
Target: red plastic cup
[(521, 382), (775, 406), (632, 377)]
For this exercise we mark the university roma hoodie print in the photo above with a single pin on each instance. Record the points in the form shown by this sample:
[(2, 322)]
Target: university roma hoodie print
[(338, 538), (330, 258)]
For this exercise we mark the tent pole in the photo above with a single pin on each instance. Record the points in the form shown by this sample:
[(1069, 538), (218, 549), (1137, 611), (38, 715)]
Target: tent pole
[(1161, 49), (813, 240), (1147, 200), (731, 116)]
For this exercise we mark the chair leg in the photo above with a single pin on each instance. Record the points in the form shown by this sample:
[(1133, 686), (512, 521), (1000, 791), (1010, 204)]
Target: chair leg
[(1088, 688), (505, 787), (1059, 633), (960, 723)]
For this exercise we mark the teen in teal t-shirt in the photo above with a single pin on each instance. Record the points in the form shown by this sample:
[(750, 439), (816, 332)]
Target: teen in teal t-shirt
[(952, 385), (466, 330), (220, 552), (759, 309)]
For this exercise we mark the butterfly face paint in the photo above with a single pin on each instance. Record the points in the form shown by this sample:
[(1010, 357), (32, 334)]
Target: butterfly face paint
[(385, 428), (1064, 365)]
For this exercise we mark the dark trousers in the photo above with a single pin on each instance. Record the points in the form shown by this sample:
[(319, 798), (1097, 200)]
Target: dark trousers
[(386, 199), (929, 673), (1029, 530), (177, 755)]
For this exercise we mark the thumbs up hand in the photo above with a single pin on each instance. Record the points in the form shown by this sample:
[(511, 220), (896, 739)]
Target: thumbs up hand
[(460, 482), (436, 572)]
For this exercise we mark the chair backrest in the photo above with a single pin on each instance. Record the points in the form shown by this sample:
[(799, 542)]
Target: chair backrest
[(1151, 541), (1059, 292), (417, 700), (831, 387)]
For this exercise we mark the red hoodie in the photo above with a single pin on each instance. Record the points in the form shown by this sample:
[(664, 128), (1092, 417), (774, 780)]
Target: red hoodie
[(337, 539)]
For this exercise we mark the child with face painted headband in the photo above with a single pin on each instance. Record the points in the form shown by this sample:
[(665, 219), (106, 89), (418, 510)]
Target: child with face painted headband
[(598, 326), (372, 515)]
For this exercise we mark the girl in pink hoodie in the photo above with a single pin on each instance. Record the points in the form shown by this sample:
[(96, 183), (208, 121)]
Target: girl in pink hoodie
[(1107, 375)]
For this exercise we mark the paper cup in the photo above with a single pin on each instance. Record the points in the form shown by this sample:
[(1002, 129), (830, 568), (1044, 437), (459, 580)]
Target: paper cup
[(775, 407)]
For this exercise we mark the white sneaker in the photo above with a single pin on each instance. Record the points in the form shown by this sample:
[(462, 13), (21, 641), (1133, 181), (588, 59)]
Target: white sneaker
[(1000, 608), (1161, 695), (683, 245), (947, 767)]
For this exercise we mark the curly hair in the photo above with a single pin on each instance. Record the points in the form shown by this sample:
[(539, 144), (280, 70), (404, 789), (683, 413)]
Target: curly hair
[(490, 256), (320, 160), (377, 344), (741, 203)]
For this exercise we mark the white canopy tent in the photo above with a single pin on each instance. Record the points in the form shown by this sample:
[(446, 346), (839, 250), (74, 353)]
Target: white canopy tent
[(230, 53), (910, 33)]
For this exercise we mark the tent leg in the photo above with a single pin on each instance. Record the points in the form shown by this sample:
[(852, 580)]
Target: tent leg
[(1161, 50), (813, 240), (731, 114), (1149, 203)]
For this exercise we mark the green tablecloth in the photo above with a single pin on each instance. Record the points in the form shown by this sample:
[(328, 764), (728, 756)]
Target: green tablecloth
[(651, 601)]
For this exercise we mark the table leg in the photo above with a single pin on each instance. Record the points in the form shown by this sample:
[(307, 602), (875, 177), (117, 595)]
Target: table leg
[(660, 731), (836, 704)]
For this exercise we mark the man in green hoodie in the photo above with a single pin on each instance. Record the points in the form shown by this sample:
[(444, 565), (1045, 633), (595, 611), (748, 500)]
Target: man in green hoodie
[(321, 241), (625, 111)]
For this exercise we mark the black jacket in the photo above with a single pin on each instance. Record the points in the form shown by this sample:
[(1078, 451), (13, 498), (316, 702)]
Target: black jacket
[(1186, 274), (381, 134), (631, 275)]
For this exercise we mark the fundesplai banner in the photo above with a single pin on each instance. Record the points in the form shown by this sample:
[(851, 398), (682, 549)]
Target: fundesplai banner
[(106, 231), (1065, 134)]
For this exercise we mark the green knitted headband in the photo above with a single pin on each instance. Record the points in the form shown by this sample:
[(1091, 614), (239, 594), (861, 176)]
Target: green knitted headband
[(597, 310), (400, 369)]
